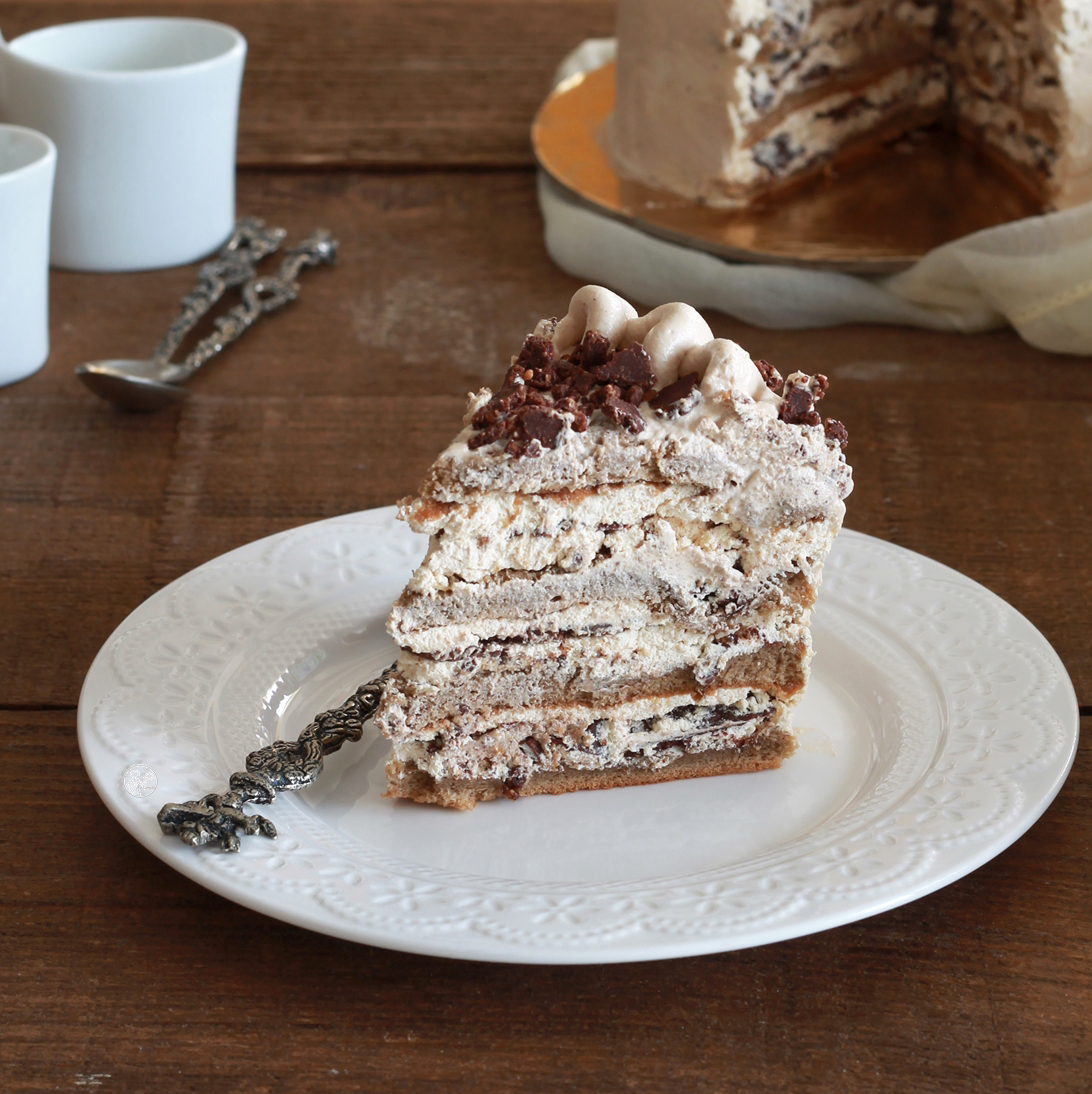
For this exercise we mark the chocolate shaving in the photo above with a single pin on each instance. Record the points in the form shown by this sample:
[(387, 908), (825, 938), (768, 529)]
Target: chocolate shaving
[(571, 406), (797, 407), (601, 395), (536, 424), (801, 394), (593, 351), (836, 432), (535, 363), (490, 433), (678, 398), (624, 414), (770, 376), (532, 748), (500, 405), (628, 368), (513, 785), (538, 389)]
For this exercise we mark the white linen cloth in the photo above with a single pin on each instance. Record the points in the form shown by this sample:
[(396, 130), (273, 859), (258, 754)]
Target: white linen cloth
[(1035, 273)]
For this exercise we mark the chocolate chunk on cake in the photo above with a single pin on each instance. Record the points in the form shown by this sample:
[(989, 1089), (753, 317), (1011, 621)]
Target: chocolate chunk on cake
[(626, 540), (723, 100)]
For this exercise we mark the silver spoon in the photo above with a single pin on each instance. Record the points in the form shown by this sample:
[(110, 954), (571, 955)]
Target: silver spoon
[(149, 385)]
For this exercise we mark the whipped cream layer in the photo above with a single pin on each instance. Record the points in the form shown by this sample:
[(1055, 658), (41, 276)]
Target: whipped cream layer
[(652, 584), (575, 665), (636, 734), (592, 608), (569, 532), (559, 679)]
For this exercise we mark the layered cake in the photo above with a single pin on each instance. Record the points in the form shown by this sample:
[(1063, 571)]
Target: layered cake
[(721, 100), (626, 540)]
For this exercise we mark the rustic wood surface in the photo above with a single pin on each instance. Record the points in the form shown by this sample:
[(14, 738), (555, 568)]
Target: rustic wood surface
[(376, 82), (118, 974)]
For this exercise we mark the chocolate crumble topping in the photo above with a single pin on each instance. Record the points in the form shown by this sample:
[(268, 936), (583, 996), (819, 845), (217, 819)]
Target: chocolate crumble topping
[(771, 377), (593, 351), (543, 394), (801, 393), (539, 388), (626, 414), (836, 432), (678, 398), (628, 368), (537, 424)]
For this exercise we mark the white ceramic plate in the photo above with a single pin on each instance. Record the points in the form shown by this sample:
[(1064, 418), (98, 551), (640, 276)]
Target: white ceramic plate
[(937, 727)]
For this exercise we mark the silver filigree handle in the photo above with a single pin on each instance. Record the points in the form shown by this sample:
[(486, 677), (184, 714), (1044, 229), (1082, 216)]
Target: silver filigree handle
[(234, 265), (283, 765), (260, 296)]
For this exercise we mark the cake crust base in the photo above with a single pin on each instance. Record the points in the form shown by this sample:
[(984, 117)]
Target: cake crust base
[(405, 780)]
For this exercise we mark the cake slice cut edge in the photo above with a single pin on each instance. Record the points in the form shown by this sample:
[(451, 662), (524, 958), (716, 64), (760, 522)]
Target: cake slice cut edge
[(764, 752)]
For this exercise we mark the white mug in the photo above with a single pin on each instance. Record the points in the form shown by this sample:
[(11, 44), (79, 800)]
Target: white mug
[(143, 112), (27, 160)]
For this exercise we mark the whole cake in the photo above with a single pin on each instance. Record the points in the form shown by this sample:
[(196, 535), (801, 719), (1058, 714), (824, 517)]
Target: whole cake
[(720, 100), (625, 545)]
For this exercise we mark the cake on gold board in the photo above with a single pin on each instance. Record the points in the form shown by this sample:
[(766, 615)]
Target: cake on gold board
[(724, 100), (626, 540)]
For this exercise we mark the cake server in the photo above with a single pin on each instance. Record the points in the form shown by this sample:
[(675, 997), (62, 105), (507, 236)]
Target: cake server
[(149, 385)]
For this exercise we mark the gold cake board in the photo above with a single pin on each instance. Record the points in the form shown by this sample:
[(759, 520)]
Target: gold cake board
[(876, 215)]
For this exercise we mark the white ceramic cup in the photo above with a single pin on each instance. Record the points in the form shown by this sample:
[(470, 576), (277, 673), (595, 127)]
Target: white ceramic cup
[(143, 112), (27, 160)]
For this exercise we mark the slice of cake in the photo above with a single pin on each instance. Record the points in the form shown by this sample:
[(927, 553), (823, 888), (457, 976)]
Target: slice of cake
[(723, 100), (625, 545)]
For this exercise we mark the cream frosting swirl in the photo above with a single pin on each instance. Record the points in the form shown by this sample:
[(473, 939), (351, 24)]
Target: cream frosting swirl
[(675, 336)]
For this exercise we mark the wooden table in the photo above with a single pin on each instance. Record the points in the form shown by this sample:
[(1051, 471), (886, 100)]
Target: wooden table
[(402, 127)]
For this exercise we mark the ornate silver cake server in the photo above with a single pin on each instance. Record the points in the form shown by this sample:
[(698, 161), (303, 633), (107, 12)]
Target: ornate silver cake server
[(148, 385), (282, 765)]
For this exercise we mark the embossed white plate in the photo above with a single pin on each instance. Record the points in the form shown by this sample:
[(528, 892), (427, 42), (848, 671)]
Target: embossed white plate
[(937, 727)]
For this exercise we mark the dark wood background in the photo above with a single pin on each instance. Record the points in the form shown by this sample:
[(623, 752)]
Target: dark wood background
[(402, 126)]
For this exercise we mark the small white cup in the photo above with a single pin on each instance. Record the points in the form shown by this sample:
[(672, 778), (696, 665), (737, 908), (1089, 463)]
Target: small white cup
[(144, 113), (27, 161)]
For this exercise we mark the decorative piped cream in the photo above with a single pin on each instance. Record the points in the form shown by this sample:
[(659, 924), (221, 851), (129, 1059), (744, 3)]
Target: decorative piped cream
[(675, 336), (591, 308)]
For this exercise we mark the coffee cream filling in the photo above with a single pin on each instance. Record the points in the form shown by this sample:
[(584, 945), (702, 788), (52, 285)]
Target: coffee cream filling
[(780, 670), (809, 135), (617, 592), (570, 533), (649, 733), (594, 663)]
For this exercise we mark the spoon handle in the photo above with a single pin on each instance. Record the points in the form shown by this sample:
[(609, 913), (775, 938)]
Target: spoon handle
[(260, 295), (250, 242), (282, 765)]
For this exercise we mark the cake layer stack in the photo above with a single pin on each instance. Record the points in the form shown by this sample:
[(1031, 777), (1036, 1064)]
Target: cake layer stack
[(625, 547)]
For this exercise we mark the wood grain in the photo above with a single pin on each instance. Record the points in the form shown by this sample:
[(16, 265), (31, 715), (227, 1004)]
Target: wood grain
[(117, 966), (377, 82)]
